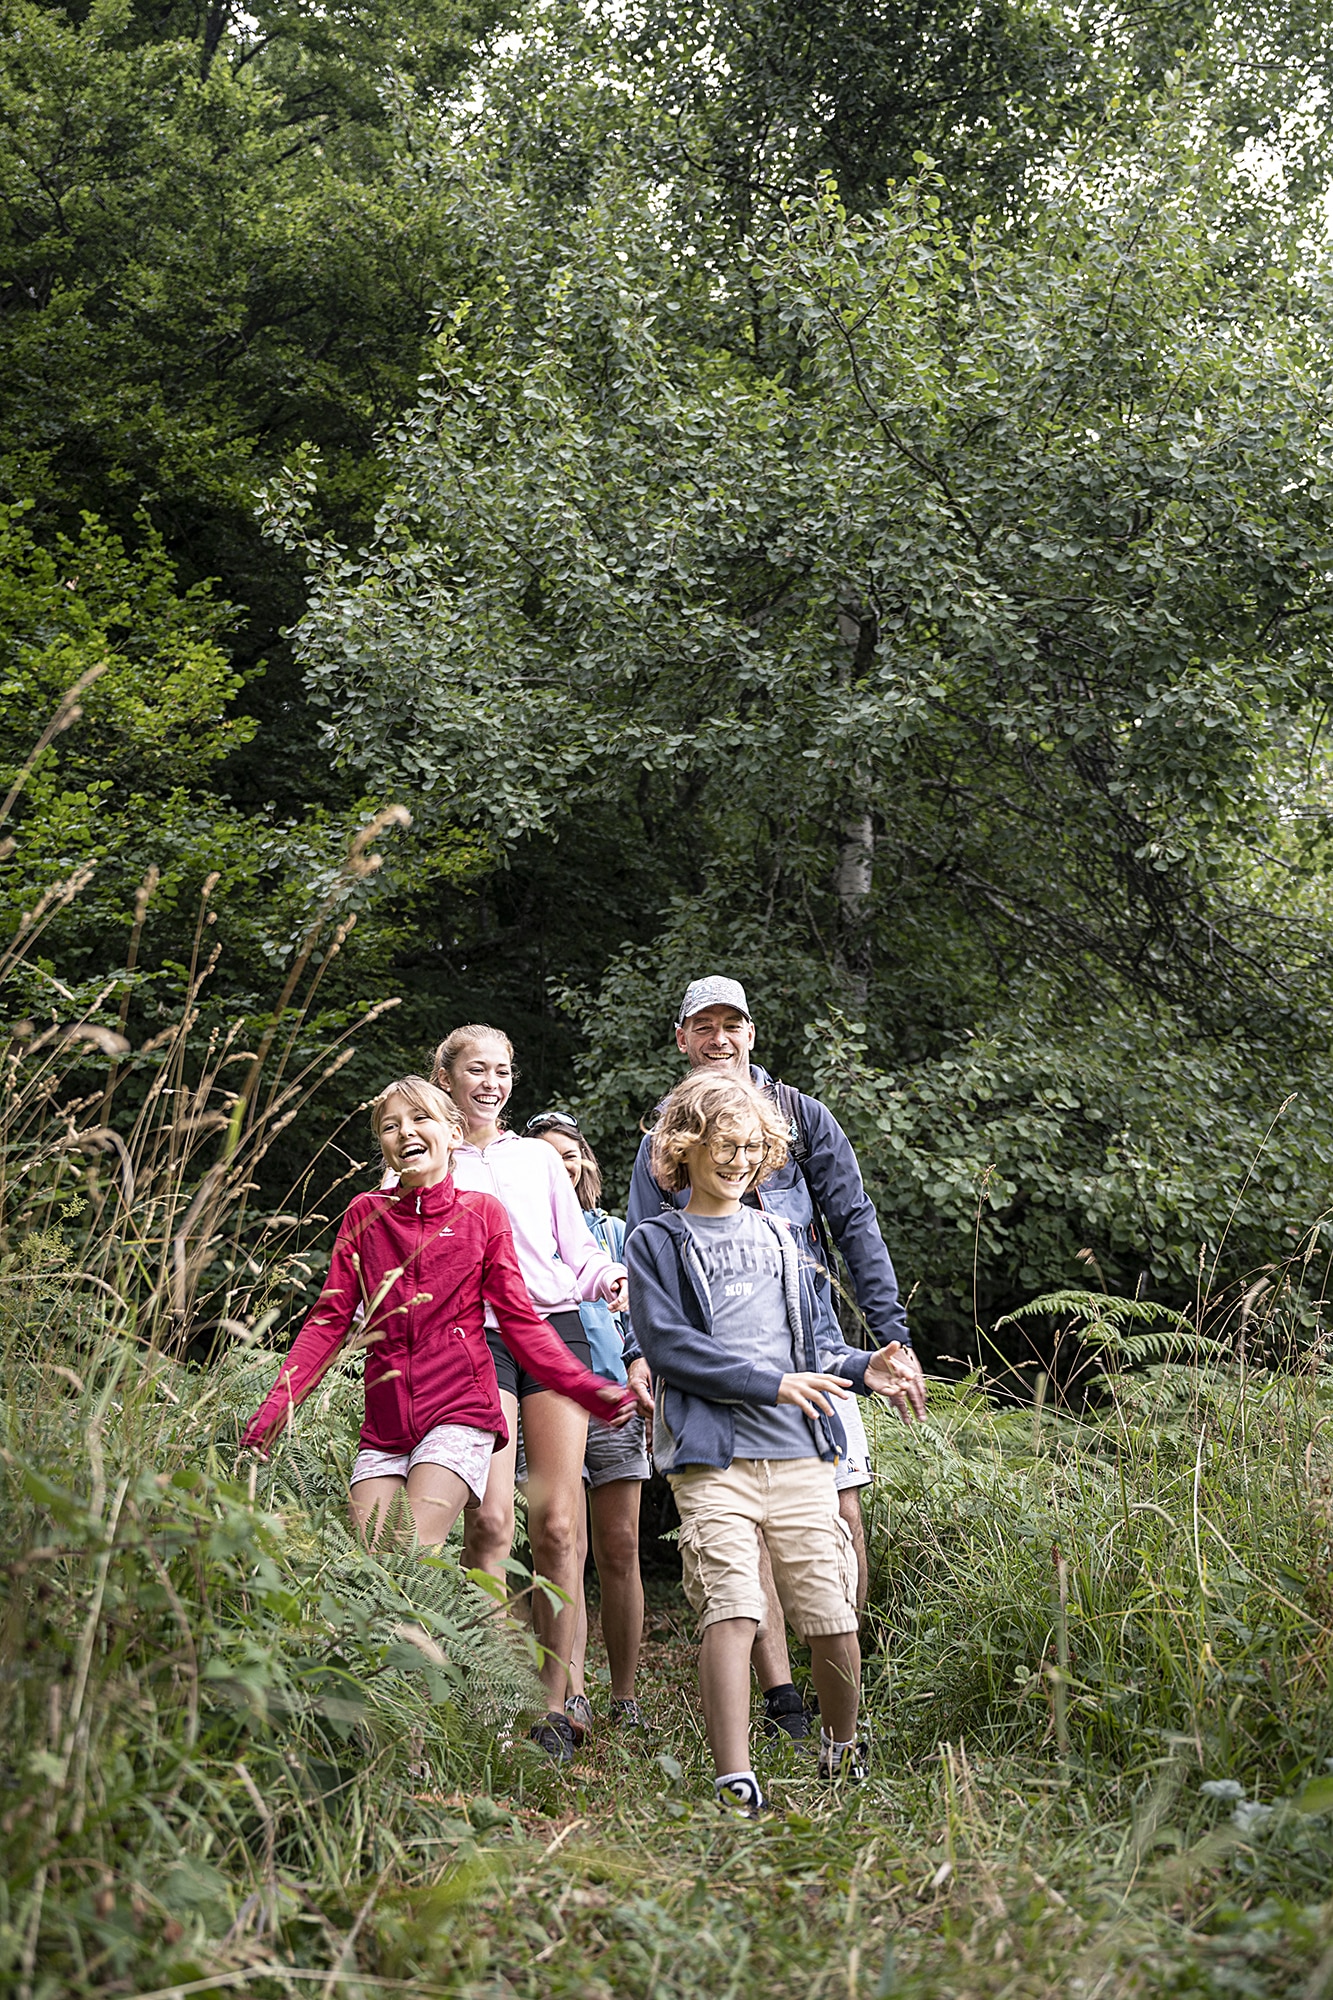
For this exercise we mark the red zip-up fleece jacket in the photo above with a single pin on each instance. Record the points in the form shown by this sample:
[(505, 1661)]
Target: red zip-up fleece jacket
[(423, 1261)]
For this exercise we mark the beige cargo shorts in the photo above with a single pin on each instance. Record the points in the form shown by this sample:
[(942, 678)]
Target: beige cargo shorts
[(793, 1503)]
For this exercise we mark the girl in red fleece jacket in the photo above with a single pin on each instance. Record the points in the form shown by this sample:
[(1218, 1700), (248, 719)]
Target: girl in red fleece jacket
[(420, 1261)]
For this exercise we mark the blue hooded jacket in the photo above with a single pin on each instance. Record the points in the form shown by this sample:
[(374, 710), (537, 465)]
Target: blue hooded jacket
[(830, 1173), (605, 1330), (696, 1381)]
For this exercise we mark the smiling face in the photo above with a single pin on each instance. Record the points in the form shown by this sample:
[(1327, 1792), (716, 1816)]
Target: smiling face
[(719, 1040), (723, 1165), (479, 1081), (568, 1148), (416, 1142)]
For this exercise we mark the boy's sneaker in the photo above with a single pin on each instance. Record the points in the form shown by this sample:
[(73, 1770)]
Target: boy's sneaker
[(784, 1715), (554, 1735), (842, 1763), (626, 1714), (578, 1710), (739, 1795)]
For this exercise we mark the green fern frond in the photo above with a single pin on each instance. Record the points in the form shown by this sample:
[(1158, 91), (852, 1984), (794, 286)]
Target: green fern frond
[(1103, 1320)]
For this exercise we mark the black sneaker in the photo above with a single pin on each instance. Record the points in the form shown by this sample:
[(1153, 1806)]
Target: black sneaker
[(554, 1735), (626, 1714), (578, 1711), (784, 1715), (846, 1764)]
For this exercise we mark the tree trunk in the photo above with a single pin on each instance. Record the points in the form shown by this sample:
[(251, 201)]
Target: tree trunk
[(854, 875)]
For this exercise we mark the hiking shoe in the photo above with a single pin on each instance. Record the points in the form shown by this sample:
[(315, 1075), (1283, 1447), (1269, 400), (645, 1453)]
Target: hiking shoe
[(626, 1714), (843, 1763), (578, 1710), (784, 1715), (740, 1796), (554, 1735)]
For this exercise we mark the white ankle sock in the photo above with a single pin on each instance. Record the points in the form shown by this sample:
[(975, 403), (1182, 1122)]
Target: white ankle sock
[(740, 1781), (831, 1743)]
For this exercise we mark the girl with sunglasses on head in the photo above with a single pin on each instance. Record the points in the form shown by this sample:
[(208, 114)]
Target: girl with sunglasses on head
[(613, 1468), (563, 1266)]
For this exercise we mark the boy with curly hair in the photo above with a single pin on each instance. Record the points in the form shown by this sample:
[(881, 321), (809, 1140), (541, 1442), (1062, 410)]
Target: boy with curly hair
[(746, 1426)]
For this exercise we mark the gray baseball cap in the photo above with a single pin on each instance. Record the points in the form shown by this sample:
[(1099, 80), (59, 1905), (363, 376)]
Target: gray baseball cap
[(701, 993)]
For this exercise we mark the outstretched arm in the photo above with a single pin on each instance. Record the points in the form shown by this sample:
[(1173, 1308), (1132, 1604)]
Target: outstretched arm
[(895, 1372), (532, 1340), (315, 1346)]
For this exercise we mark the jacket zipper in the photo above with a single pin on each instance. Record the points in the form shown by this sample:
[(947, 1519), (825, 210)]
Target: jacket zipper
[(412, 1317)]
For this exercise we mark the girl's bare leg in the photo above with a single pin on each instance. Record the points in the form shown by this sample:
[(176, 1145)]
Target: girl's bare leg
[(370, 1500), (555, 1436), (435, 1495), (488, 1525), (615, 1550), (437, 1498), (579, 1656)]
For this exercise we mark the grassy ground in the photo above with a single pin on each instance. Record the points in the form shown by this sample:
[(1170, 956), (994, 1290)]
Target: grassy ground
[(239, 1755)]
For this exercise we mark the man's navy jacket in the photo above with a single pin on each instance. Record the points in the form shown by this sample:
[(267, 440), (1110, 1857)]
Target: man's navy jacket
[(828, 1172)]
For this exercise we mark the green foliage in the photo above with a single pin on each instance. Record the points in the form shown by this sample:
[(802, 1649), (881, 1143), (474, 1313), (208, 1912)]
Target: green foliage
[(204, 249), (1016, 1156), (1137, 1581), (244, 1750), (214, 1702), (1105, 1325), (130, 675), (959, 582)]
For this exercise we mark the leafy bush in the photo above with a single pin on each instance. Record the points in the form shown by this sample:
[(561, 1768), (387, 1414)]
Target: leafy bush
[(220, 1709)]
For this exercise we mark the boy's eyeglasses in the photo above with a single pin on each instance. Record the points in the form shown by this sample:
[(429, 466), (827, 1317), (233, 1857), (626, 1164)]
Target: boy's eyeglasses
[(726, 1153), (546, 1121)]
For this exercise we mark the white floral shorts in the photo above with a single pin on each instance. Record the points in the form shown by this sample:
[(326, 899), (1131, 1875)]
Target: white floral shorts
[(457, 1447)]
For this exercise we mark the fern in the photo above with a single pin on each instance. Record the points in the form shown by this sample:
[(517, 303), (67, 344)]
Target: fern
[(1102, 1321)]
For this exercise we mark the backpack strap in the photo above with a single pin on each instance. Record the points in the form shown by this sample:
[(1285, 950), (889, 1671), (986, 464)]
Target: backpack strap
[(788, 1102)]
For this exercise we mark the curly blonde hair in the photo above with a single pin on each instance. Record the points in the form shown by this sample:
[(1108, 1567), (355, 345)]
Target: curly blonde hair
[(695, 1109)]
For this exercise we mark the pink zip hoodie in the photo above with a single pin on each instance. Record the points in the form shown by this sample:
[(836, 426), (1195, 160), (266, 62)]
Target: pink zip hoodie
[(559, 1257)]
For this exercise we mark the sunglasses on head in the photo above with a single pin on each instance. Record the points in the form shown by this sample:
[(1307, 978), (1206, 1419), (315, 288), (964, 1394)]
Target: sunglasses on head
[(546, 1121)]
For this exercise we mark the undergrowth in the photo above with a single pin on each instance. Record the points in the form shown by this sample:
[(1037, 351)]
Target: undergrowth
[(242, 1755)]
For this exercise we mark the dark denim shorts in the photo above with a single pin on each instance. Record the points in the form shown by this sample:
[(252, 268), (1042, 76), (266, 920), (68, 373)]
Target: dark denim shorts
[(511, 1375)]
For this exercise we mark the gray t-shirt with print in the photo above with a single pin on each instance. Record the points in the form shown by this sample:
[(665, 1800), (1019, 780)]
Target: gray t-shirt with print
[(742, 1261)]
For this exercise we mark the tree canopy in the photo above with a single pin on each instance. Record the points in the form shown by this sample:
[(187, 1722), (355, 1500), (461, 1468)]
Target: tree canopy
[(816, 492)]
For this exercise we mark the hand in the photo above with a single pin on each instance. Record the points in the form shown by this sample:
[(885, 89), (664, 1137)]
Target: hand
[(895, 1372), (810, 1393), (616, 1281), (641, 1385), (622, 1407)]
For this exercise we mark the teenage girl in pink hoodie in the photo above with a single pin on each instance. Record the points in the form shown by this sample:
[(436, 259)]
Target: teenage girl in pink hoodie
[(563, 1265)]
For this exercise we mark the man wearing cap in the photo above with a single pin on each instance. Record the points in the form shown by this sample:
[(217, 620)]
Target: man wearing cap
[(819, 1189)]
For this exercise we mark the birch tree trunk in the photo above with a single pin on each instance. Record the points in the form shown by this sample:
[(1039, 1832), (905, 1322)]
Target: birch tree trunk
[(854, 874)]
